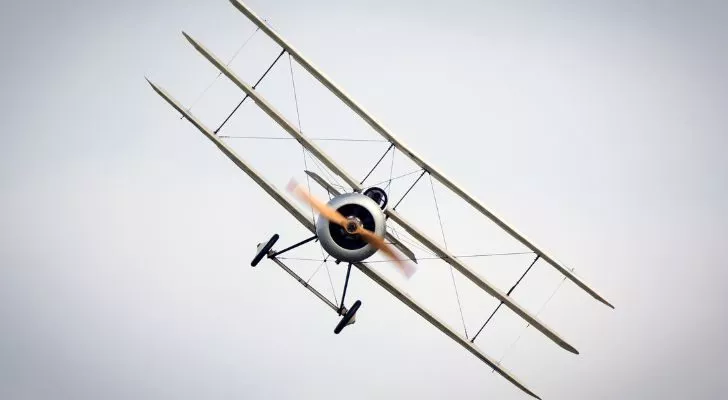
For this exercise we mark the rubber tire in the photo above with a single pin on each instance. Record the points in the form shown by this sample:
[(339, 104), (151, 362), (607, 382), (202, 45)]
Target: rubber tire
[(264, 251), (347, 317)]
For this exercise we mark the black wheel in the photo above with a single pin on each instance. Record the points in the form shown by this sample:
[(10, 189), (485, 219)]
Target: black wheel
[(347, 317), (263, 250)]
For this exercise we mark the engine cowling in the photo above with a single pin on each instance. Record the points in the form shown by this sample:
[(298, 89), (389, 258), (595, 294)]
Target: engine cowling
[(340, 244)]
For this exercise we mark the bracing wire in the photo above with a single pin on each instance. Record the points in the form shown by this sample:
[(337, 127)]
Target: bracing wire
[(415, 243), (300, 129), (437, 209), (300, 259), (305, 163), (420, 258), (391, 170), (332, 178), (492, 314), (219, 74), (377, 164), (314, 272), (331, 282), (321, 139), (418, 170), (308, 179), (241, 47), (508, 349), (444, 241), (255, 86)]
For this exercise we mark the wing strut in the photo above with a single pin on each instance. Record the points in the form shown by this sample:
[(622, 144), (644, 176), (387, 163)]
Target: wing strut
[(414, 232), (306, 222), (509, 293), (379, 128)]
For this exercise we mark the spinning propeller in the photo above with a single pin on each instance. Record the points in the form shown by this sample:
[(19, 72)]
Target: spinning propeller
[(352, 226)]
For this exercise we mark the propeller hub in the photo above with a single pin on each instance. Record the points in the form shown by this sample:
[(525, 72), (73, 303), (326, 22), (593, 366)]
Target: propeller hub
[(352, 225)]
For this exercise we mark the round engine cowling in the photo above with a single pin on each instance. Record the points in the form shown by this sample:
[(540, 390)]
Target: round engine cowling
[(340, 244)]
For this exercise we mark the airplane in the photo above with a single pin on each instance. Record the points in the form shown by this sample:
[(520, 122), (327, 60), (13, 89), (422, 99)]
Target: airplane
[(352, 225)]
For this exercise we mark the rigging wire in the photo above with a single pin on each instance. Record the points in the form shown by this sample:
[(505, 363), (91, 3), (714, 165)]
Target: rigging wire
[(333, 179), (399, 177), (308, 179), (300, 129), (412, 242), (412, 186), (330, 139), (444, 241), (331, 282), (391, 170), (508, 349), (230, 115), (219, 74), (314, 272), (305, 166), (538, 256), (299, 259), (421, 258), (377, 164), (437, 208)]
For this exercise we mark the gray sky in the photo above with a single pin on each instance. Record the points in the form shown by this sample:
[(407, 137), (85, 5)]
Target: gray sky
[(596, 129)]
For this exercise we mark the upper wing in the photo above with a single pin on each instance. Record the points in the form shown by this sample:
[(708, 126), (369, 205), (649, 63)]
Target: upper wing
[(300, 216), (379, 128)]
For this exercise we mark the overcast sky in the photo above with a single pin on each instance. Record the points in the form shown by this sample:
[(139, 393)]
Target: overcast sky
[(598, 130)]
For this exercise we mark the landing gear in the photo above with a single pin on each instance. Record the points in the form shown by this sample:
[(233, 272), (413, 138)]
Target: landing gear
[(350, 314), (263, 249), (348, 318)]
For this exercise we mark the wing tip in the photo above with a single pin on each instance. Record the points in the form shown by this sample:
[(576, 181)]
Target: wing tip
[(602, 299), (189, 38), (518, 384), (236, 3), (154, 86), (532, 394), (569, 348)]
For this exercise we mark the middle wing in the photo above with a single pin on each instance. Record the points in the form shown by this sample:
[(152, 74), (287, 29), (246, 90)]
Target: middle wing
[(300, 216)]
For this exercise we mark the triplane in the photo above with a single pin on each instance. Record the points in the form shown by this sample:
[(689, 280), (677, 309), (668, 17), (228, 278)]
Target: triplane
[(352, 225)]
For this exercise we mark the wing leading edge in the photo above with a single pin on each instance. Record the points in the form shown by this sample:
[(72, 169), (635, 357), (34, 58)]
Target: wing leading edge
[(301, 217)]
